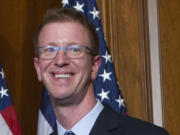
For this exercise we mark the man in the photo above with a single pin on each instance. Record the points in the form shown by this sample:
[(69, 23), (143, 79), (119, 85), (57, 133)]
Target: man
[(67, 62)]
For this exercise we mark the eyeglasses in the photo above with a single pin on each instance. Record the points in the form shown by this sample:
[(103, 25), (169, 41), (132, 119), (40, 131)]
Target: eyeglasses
[(71, 51)]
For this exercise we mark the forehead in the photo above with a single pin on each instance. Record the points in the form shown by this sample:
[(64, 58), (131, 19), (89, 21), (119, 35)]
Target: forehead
[(64, 33)]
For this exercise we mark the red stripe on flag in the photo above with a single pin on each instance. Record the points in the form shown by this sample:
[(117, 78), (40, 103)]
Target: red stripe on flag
[(10, 117)]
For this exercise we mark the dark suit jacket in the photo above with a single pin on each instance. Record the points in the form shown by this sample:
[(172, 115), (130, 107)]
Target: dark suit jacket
[(110, 122)]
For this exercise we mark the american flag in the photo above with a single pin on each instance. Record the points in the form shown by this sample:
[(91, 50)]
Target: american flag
[(8, 119), (106, 86)]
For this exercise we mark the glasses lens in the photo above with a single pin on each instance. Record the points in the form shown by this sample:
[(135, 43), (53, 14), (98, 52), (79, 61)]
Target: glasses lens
[(75, 51), (48, 52)]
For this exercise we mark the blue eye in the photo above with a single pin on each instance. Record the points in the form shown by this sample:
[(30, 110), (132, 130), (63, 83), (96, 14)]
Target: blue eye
[(74, 49), (49, 49)]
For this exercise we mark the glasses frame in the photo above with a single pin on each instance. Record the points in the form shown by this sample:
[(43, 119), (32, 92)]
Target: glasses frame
[(64, 48)]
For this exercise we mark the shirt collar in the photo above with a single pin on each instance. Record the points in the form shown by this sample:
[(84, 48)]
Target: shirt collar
[(84, 126)]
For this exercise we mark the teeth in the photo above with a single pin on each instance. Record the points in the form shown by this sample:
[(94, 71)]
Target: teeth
[(62, 75)]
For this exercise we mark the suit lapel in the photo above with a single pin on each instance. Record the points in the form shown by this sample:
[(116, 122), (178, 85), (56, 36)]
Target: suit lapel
[(108, 123)]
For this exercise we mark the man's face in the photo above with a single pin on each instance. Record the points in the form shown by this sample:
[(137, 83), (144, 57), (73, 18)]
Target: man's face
[(66, 78)]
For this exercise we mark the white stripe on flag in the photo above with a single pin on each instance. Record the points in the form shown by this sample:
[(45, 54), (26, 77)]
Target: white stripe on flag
[(43, 126), (4, 129)]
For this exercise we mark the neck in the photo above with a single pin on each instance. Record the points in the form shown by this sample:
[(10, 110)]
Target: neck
[(69, 115)]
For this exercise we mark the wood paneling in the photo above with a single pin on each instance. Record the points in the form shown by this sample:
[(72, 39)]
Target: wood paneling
[(169, 14), (125, 52)]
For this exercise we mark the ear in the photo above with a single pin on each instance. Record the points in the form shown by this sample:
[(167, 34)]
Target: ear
[(37, 67), (95, 66)]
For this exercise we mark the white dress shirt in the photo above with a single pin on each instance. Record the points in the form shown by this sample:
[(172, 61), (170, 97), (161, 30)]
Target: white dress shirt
[(84, 126)]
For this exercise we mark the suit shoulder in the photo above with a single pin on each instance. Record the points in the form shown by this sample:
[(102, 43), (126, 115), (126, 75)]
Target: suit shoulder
[(137, 125), (131, 125)]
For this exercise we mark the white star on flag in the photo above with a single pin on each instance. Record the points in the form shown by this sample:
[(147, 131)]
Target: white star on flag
[(105, 75), (120, 101), (95, 13), (65, 2), (79, 7), (107, 57), (97, 29), (3, 92), (2, 73), (104, 95)]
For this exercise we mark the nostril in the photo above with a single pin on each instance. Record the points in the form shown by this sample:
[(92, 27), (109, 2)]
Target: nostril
[(61, 65)]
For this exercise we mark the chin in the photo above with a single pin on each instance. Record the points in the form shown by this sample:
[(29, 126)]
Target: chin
[(60, 95)]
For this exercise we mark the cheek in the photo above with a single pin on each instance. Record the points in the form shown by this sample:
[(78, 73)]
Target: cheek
[(95, 67), (43, 66), (93, 75), (89, 68), (37, 68), (84, 66)]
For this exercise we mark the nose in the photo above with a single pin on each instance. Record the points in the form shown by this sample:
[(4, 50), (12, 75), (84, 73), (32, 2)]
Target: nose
[(61, 59)]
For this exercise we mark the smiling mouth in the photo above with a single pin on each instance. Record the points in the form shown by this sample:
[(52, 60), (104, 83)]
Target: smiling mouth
[(63, 76)]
